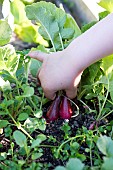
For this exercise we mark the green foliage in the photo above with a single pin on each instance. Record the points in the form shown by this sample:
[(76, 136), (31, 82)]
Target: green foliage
[(72, 164), (108, 163), (19, 15), (103, 14), (5, 32), (8, 59), (105, 145), (88, 26), (58, 27), (20, 138), (107, 4)]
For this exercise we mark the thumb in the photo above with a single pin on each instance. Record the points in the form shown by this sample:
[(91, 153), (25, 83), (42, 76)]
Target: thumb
[(71, 93), (37, 55)]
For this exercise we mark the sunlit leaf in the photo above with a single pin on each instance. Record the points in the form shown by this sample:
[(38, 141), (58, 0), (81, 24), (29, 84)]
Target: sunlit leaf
[(107, 4), (8, 59), (5, 33)]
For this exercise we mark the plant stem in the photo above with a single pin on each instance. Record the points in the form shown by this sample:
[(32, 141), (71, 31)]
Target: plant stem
[(91, 153), (61, 41), (48, 146), (72, 138), (41, 101), (100, 112), (86, 105), (106, 115), (19, 127)]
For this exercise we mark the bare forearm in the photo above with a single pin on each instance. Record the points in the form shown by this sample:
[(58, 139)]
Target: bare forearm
[(95, 43)]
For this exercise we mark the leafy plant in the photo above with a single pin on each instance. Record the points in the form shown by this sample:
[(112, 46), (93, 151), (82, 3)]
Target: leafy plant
[(54, 27)]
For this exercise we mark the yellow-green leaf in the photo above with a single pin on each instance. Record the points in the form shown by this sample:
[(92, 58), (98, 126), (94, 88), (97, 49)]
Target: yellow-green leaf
[(5, 33)]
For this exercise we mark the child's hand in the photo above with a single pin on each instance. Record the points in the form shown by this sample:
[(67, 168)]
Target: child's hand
[(58, 72)]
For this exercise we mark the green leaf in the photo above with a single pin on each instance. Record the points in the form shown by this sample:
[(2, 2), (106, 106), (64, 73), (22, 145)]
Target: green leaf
[(105, 145), (108, 163), (36, 143), (107, 4), (18, 11), (103, 14), (88, 26), (56, 25), (40, 138), (37, 13), (28, 32), (3, 123), (111, 89), (36, 156), (20, 138), (22, 116), (34, 123), (67, 33), (74, 164), (28, 92), (3, 113), (38, 113), (34, 67), (8, 59), (107, 65), (5, 33), (7, 103), (71, 23), (60, 168)]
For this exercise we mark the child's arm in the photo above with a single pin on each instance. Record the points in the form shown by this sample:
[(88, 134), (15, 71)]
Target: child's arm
[(95, 43), (62, 70)]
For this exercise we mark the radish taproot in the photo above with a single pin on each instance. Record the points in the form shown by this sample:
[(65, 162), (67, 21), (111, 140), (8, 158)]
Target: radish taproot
[(65, 111), (53, 112)]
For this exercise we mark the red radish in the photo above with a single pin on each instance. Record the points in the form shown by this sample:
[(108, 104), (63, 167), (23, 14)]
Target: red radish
[(53, 112), (65, 111), (92, 125)]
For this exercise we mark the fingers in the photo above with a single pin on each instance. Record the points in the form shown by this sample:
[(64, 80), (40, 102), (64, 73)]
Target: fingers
[(37, 55), (49, 94), (71, 93)]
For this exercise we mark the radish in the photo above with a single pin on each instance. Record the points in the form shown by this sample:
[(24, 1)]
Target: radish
[(92, 125), (65, 111), (53, 112)]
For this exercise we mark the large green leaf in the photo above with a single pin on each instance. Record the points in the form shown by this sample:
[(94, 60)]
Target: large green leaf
[(108, 164), (20, 138), (105, 145), (74, 164), (107, 65), (107, 4), (5, 32), (18, 11), (48, 23), (71, 23), (8, 59), (56, 25)]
